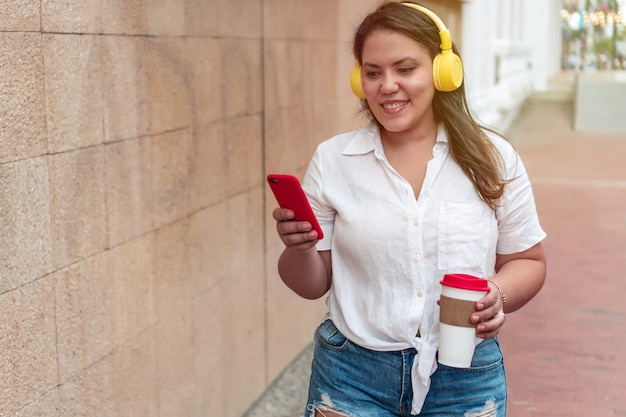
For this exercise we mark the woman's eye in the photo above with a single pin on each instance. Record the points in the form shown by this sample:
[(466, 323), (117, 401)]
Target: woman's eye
[(406, 70), (371, 74)]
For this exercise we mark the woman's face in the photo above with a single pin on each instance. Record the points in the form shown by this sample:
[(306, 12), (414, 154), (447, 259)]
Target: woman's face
[(398, 81)]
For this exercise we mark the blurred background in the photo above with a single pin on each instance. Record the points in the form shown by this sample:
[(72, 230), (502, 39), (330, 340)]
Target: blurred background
[(593, 35), (137, 250)]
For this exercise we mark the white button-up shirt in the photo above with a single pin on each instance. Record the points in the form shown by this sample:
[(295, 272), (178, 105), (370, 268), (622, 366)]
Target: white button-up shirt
[(390, 249)]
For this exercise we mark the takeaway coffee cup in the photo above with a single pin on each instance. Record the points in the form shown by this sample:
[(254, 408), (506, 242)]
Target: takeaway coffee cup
[(457, 334)]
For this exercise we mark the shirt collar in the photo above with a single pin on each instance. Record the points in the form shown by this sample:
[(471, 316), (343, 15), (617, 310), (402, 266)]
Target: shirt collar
[(368, 140)]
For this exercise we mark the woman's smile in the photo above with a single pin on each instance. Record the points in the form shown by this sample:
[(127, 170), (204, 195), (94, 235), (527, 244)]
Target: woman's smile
[(394, 106)]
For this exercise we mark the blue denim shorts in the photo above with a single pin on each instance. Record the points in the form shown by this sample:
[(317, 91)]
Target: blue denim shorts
[(357, 382)]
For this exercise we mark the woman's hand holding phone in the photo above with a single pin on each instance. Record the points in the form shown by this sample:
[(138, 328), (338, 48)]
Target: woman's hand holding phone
[(296, 224), (295, 234)]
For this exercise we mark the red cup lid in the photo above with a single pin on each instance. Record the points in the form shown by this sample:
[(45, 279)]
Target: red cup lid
[(465, 282)]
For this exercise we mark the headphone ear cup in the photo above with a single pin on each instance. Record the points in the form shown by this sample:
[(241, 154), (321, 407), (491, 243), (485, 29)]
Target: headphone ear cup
[(356, 81), (447, 71)]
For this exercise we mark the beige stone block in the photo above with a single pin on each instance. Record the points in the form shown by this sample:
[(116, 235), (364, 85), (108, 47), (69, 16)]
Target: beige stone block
[(241, 18), (298, 72), (135, 377), (26, 245), (149, 182), (207, 262), (312, 123), (28, 362), (203, 18), (204, 61), (243, 141), (320, 71), (225, 240), (174, 346), (225, 78), (143, 17), (128, 189), (71, 16), (282, 73), (323, 121), (73, 91), (169, 100), (241, 76), (295, 132), (20, 16), (209, 181), (174, 337), (131, 275), (300, 19), (145, 86), (172, 281), (90, 393), (350, 13), (46, 406), (77, 205), (85, 301), (286, 151), (348, 114), (229, 319), (245, 217), (124, 89), (229, 342), (22, 97), (224, 18), (171, 164)]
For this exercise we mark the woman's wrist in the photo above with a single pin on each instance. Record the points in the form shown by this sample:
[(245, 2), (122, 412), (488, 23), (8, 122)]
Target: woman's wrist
[(499, 288)]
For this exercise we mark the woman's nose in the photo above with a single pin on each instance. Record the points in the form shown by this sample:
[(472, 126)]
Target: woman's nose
[(389, 84)]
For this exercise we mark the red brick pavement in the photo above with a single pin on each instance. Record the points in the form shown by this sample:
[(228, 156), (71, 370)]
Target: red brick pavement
[(565, 352)]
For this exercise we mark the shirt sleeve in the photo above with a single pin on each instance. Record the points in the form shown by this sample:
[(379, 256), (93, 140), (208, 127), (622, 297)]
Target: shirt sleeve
[(313, 185), (518, 223)]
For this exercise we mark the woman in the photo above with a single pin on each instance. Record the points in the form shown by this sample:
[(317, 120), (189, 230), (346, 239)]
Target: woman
[(421, 191)]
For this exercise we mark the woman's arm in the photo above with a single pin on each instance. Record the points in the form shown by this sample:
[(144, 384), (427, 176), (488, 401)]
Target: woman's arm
[(301, 267), (519, 276), (306, 273)]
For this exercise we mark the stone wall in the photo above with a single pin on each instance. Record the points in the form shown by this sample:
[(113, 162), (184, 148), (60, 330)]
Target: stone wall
[(137, 251)]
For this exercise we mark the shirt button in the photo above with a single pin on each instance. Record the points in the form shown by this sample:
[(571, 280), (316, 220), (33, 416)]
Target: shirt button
[(420, 293), (427, 192), (417, 258), (416, 222)]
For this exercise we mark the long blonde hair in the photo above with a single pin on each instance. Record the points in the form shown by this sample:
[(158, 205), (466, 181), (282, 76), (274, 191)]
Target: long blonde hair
[(468, 143)]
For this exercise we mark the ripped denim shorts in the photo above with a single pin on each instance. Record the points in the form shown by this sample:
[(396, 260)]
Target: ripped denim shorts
[(356, 382)]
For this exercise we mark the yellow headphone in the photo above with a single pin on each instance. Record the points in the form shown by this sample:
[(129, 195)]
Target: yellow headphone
[(447, 66)]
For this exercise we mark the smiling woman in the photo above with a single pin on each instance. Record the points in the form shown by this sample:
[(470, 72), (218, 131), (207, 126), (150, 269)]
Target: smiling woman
[(421, 191)]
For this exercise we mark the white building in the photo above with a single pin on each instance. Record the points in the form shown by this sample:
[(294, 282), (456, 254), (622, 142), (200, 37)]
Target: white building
[(510, 48)]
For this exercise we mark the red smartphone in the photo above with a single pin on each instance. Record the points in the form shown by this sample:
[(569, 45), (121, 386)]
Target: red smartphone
[(289, 194)]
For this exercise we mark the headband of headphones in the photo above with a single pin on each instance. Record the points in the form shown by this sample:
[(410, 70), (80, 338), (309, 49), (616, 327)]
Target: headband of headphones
[(444, 33), (447, 66)]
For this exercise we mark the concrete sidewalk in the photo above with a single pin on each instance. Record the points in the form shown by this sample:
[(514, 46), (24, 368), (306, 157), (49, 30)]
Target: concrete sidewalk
[(565, 352)]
